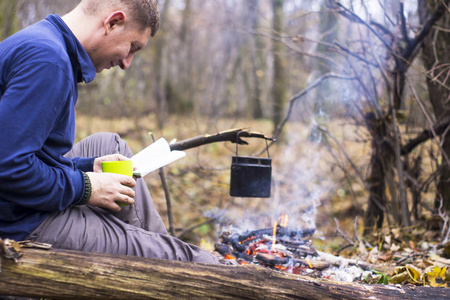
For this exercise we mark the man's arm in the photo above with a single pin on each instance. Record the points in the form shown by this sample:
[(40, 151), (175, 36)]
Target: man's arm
[(29, 111)]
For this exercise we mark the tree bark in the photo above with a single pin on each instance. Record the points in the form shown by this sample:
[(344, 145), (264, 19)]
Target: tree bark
[(64, 274)]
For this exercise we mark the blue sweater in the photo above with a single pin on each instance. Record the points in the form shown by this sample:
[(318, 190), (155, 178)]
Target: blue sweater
[(40, 68)]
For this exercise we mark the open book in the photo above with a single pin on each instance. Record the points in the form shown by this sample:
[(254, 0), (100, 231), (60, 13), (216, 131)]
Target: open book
[(153, 157)]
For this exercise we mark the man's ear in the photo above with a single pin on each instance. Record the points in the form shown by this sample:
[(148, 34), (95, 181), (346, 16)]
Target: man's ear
[(115, 19)]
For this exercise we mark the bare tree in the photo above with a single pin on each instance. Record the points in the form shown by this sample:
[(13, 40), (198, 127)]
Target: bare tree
[(399, 51)]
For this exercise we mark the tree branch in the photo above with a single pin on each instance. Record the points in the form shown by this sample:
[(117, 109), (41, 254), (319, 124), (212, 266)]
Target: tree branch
[(302, 93), (403, 23), (223, 136), (355, 18), (417, 41), (358, 173)]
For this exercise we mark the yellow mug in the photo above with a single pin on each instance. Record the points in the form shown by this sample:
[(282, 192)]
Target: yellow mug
[(124, 167)]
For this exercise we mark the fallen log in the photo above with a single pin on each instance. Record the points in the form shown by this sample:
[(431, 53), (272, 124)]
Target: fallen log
[(64, 274)]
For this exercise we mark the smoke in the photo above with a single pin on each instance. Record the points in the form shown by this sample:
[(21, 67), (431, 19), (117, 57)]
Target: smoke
[(299, 181)]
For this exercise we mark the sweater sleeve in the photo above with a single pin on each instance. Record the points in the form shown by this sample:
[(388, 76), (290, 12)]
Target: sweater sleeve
[(30, 109), (85, 164)]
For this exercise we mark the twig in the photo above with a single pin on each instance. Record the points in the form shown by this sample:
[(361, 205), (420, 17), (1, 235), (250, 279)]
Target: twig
[(355, 18), (346, 50), (430, 122), (303, 93), (342, 234), (167, 195), (346, 155), (444, 216), (355, 229), (296, 50), (342, 167)]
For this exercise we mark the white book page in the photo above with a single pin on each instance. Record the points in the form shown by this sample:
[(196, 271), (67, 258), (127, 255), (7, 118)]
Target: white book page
[(155, 156)]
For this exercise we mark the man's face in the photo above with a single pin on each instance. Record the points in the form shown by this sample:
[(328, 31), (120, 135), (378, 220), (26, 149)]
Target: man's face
[(118, 46)]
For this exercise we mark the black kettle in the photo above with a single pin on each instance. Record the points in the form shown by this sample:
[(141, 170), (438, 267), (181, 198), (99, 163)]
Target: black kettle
[(251, 176)]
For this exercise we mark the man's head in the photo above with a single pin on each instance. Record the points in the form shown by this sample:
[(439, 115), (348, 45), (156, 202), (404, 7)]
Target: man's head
[(144, 13), (112, 31)]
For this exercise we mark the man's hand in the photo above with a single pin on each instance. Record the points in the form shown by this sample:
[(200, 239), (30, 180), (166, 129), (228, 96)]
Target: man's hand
[(113, 157), (107, 188)]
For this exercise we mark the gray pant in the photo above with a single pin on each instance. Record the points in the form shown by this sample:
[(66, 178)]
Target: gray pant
[(136, 230)]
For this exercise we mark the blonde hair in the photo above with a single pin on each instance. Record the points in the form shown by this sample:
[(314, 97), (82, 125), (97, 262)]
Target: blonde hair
[(144, 13)]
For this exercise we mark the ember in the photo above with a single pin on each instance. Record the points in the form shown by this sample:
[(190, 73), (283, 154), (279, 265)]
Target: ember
[(279, 248)]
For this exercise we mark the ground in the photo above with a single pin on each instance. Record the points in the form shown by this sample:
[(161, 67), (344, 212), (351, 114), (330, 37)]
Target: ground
[(314, 186)]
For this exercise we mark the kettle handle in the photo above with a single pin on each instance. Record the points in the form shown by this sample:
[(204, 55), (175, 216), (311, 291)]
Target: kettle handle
[(237, 143)]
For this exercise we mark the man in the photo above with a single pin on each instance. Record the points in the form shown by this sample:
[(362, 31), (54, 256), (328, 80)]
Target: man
[(47, 193)]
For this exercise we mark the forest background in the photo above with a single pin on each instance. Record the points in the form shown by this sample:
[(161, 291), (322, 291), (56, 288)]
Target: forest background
[(356, 94)]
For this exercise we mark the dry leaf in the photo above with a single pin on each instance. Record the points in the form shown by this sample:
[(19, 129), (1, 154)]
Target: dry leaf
[(395, 247), (362, 249), (399, 278), (10, 249), (388, 239), (385, 256), (414, 273), (436, 277)]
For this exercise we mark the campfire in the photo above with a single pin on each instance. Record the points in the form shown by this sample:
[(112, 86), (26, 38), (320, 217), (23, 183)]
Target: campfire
[(279, 247)]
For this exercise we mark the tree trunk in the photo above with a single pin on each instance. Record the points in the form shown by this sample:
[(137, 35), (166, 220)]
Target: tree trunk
[(376, 204), (182, 102), (8, 19), (256, 48), (64, 274), (279, 66), (160, 72), (435, 55)]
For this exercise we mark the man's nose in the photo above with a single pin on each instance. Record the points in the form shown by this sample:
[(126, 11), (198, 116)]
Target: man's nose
[(126, 62)]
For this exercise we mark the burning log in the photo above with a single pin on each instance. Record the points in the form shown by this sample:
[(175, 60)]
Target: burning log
[(280, 230), (278, 248), (63, 274), (271, 260)]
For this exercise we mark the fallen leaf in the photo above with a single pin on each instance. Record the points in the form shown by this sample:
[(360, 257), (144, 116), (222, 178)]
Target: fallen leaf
[(413, 273), (399, 278), (385, 256), (436, 277), (395, 247)]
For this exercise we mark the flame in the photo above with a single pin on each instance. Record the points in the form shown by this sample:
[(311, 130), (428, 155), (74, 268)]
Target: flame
[(229, 256), (309, 263), (274, 234), (283, 219)]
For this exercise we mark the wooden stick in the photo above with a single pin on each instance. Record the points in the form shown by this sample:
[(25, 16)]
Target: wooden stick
[(223, 136)]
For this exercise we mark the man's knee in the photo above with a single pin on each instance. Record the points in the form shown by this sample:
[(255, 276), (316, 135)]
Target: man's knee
[(100, 144)]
